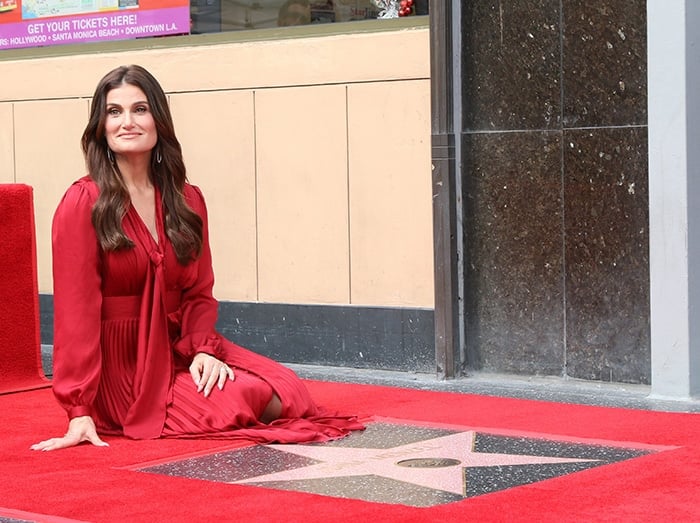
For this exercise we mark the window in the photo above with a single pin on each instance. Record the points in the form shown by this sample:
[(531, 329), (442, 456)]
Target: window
[(39, 23), (233, 15)]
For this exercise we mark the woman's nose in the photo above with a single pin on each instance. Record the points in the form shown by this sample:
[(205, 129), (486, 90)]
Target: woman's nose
[(127, 120)]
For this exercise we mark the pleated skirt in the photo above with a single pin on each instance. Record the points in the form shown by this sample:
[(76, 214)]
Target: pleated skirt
[(230, 413)]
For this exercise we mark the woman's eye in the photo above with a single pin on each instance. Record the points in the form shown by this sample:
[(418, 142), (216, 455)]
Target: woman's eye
[(113, 112), (141, 109)]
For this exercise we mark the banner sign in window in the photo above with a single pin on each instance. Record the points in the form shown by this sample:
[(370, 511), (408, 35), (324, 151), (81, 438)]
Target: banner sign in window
[(39, 23)]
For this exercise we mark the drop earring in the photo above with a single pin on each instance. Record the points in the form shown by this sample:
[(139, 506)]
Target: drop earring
[(110, 156), (159, 158)]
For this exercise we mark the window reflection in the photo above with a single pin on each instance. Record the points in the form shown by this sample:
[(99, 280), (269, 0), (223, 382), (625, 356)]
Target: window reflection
[(294, 12), (213, 16)]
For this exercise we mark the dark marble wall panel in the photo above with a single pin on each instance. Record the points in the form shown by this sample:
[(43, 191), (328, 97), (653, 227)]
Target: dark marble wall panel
[(607, 254), (513, 258), (556, 209), (392, 338), (340, 335), (604, 62), (511, 64)]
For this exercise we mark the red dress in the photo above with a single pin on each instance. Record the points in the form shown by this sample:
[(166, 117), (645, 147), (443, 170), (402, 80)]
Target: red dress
[(127, 324)]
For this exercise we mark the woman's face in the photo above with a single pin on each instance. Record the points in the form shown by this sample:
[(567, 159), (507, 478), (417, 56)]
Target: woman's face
[(129, 127)]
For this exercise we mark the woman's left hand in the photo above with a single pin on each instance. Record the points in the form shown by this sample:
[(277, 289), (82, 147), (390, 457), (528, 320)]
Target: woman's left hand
[(208, 371)]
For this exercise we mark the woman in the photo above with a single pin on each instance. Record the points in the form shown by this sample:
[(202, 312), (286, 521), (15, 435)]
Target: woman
[(135, 350)]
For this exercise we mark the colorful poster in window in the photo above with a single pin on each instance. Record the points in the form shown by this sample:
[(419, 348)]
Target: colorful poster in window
[(40, 23)]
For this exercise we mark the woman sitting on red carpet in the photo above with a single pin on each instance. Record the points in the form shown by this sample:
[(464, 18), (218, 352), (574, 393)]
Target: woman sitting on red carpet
[(135, 350)]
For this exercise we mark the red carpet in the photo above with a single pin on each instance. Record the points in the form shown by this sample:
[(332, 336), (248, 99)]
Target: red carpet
[(20, 354), (97, 485)]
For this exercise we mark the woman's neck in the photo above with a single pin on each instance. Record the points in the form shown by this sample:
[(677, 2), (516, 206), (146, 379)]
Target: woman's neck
[(135, 172)]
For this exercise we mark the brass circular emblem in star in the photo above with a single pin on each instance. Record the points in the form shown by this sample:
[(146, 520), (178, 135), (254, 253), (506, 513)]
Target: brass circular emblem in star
[(428, 463)]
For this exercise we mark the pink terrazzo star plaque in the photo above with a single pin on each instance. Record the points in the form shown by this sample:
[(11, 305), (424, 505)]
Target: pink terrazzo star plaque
[(396, 462)]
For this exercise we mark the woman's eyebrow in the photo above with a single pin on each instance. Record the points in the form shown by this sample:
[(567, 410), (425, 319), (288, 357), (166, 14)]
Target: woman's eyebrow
[(116, 104)]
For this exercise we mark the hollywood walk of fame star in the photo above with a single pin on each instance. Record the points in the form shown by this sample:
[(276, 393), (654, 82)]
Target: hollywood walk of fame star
[(394, 461), (448, 455)]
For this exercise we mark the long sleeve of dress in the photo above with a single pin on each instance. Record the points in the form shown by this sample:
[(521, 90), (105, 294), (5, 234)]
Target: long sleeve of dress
[(199, 308), (77, 302)]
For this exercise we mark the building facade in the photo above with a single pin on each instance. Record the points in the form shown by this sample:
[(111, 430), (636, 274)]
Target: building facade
[(490, 189)]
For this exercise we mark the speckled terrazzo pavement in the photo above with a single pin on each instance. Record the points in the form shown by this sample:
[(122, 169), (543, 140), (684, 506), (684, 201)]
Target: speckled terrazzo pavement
[(400, 462)]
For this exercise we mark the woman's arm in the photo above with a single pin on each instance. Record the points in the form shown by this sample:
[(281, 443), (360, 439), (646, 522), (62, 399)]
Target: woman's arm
[(199, 343), (77, 302), (77, 317), (199, 309)]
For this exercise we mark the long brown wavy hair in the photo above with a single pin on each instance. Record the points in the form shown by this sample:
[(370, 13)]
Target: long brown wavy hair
[(182, 225)]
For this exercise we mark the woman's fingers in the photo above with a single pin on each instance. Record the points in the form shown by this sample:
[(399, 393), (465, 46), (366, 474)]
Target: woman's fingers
[(64, 442), (43, 445), (225, 373), (56, 443), (213, 377), (208, 372), (95, 440), (196, 373), (98, 442), (69, 440)]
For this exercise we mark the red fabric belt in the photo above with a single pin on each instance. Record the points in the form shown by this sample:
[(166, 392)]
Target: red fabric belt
[(123, 307)]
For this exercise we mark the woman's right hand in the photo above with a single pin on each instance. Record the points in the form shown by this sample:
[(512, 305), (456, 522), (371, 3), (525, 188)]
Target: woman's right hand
[(80, 429)]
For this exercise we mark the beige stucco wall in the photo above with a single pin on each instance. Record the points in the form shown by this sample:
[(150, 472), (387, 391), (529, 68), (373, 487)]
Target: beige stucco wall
[(313, 154)]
